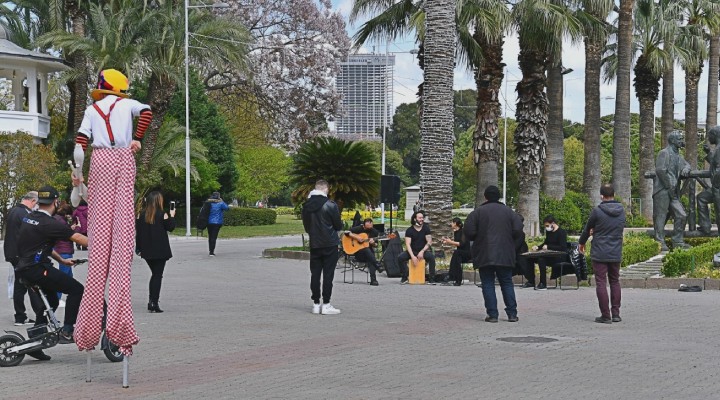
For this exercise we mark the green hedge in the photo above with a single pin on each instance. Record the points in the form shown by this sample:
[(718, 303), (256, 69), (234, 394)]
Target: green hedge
[(235, 216), (638, 247), (285, 211), (679, 262)]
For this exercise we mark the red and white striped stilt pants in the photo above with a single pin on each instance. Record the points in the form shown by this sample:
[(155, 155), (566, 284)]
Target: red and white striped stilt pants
[(111, 234)]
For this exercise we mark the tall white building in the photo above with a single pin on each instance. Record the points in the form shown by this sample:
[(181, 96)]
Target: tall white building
[(365, 82)]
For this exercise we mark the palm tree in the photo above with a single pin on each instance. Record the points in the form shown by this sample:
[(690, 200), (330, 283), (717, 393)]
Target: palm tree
[(713, 75), (541, 24), (595, 38), (350, 168), (621, 130), (553, 175), (436, 125), (78, 84)]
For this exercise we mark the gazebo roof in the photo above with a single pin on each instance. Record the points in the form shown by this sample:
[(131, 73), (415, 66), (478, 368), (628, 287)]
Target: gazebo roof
[(9, 51)]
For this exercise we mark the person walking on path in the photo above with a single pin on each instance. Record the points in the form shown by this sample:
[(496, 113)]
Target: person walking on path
[(321, 220), (80, 218), (605, 225), (216, 211), (494, 227), (152, 242), (65, 248), (12, 230)]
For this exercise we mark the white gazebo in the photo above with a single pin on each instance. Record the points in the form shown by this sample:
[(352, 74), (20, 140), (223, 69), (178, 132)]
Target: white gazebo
[(27, 69)]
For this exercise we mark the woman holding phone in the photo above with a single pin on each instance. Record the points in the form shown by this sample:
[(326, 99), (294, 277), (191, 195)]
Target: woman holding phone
[(152, 242)]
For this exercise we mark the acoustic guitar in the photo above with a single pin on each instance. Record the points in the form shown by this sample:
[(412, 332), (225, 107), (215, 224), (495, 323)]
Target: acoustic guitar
[(351, 245)]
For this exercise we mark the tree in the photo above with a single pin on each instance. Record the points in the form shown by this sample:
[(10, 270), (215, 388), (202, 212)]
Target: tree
[(24, 166), (349, 167), (263, 172), (621, 137)]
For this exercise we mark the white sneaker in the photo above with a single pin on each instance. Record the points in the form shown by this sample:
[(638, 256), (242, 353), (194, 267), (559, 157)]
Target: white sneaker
[(328, 309), (316, 308), (61, 304)]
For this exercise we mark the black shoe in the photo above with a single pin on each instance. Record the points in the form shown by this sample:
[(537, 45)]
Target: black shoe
[(513, 319), (155, 308), (616, 318), (150, 306), (491, 319), (39, 355), (527, 285), (66, 337), (404, 281), (26, 322), (379, 268), (373, 282), (541, 286), (457, 284), (603, 320)]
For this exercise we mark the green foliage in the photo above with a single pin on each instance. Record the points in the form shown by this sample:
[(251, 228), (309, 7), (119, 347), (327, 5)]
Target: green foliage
[(581, 201), (237, 216), (574, 161), (464, 170), (285, 211), (679, 262), (705, 271), (405, 138), (208, 125), (393, 162), (566, 212), (637, 221), (638, 248), (349, 167), (263, 172)]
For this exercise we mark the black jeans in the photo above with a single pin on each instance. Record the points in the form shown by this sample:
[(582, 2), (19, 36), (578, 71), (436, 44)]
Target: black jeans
[(404, 257), (323, 261), (458, 258), (36, 303), (51, 280), (156, 267), (367, 255), (213, 230)]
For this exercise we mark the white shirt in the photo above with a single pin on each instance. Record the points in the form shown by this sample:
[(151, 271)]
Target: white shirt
[(121, 120)]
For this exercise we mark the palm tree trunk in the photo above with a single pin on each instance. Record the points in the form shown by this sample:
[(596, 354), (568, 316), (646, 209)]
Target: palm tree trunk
[(621, 137), (436, 153), (667, 117), (712, 91), (591, 172), (553, 177), (78, 86), (486, 145), (530, 135), (691, 136), (160, 92), (647, 154)]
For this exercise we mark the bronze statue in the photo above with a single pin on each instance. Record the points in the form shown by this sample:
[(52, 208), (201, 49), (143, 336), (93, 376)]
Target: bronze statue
[(670, 166), (711, 194)]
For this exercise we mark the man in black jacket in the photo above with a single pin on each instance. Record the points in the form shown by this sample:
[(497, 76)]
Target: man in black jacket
[(321, 219), (12, 229), (605, 225), (494, 228), (555, 239)]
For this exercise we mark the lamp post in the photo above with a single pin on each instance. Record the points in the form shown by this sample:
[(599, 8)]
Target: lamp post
[(187, 111), (505, 137)]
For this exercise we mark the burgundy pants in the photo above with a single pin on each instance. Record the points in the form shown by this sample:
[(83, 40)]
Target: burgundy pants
[(605, 272), (111, 233)]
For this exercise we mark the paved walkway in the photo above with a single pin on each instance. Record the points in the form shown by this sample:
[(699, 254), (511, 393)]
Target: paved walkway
[(238, 326)]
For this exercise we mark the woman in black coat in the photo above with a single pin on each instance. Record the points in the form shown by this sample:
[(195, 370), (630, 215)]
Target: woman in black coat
[(152, 242)]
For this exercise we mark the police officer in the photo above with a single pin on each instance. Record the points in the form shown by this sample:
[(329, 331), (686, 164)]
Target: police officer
[(38, 234)]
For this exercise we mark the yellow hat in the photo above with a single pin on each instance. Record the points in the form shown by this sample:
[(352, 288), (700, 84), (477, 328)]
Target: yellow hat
[(111, 81)]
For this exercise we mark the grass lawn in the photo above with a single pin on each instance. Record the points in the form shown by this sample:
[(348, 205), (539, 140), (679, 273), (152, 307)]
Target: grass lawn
[(285, 225)]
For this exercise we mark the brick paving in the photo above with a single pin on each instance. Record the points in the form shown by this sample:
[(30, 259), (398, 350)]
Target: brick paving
[(238, 326)]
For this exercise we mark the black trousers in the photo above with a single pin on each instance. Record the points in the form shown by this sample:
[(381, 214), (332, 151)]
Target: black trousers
[(51, 280), (213, 230), (458, 258), (36, 303), (156, 267), (543, 263), (322, 262), (367, 255), (404, 257)]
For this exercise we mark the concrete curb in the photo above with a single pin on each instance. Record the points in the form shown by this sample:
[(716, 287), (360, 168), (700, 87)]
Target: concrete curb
[(291, 254)]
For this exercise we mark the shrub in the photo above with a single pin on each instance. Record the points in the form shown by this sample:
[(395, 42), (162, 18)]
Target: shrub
[(582, 202), (705, 271), (638, 248), (348, 215), (237, 216), (637, 221), (285, 210), (681, 261), (566, 212)]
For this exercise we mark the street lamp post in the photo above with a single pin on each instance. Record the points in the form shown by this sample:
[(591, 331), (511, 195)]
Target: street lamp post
[(187, 111)]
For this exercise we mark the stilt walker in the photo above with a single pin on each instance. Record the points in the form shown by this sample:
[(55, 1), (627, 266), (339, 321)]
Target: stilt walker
[(108, 124)]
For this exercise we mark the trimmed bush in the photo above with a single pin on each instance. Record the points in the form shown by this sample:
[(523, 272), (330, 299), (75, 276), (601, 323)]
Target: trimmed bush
[(285, 210), (679, 262), (637, 221), (348, 215), (237, 216), (638, 248)]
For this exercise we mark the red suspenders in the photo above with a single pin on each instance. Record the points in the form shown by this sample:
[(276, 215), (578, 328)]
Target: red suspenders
[(107, 119)]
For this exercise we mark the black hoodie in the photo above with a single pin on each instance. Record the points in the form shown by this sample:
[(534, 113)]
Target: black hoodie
[(607, 221), (321, 219)]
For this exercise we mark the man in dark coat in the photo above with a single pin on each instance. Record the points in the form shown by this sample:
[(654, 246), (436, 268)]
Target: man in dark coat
[(605, 225), (321, 219), (494, 227)]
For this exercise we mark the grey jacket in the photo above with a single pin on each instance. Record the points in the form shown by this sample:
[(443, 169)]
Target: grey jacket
[(493, 227), (607, 221)]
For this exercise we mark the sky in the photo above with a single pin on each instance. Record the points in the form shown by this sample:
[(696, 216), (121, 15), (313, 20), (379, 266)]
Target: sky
[(408, 75)]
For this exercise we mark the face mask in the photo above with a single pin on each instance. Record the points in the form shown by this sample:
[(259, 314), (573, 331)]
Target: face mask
[(549, 228)]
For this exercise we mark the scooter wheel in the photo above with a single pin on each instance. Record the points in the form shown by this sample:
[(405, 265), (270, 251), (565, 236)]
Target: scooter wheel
[(9, 360), (111, 350)]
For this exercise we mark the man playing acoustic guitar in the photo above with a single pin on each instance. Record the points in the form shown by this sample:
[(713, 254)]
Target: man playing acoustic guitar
[(367, 254)]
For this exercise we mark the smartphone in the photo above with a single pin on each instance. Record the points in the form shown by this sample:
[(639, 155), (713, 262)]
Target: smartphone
[(172, 205)]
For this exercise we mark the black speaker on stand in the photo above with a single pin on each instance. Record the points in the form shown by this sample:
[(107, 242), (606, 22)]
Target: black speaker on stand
[(390, 192)]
